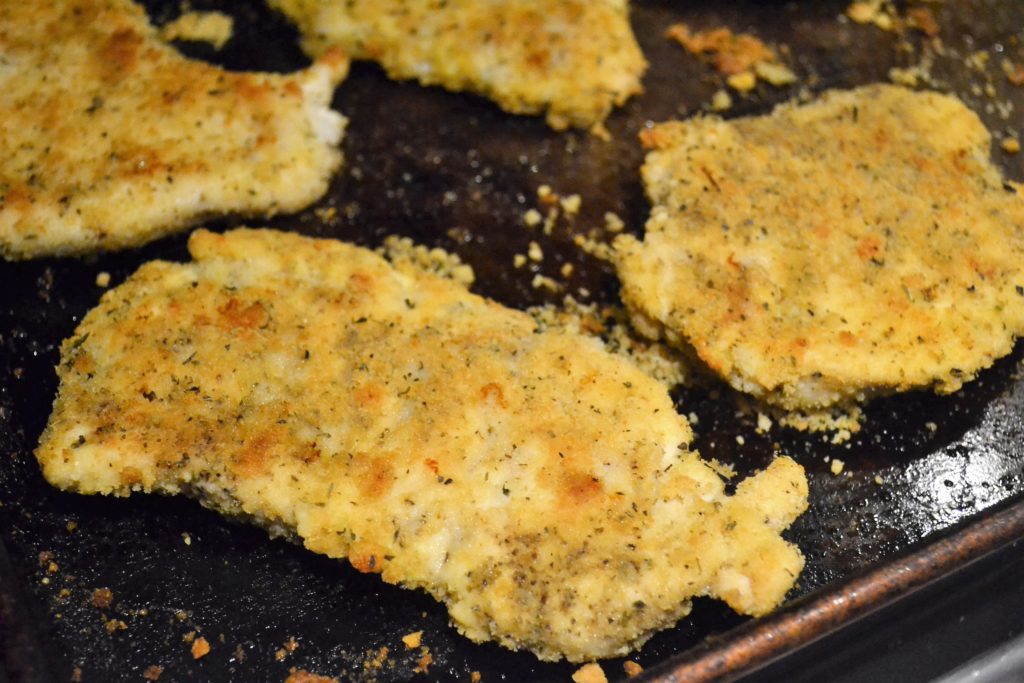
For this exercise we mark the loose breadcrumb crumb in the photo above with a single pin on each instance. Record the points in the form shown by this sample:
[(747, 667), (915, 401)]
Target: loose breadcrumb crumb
[(200, 648), (566, 269), (214, 28), (742, 82), (721, 100), (837, 466), (102, 598), (590, 673), (302, 676), (532, 218), (878, 12), (764, 423), (474, 677), (774, 73), (879, 480), (632, 668), (612, 222), (401, 251), (103, 279), (412, 640), (519, 260), (571, 204), (153, 672), (535, 253), (1010, 145)]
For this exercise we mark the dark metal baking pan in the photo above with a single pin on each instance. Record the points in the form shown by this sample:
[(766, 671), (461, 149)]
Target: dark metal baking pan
[(453, 171)]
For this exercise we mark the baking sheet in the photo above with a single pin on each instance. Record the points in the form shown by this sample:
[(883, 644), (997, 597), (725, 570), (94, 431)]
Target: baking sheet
[(453, 171)]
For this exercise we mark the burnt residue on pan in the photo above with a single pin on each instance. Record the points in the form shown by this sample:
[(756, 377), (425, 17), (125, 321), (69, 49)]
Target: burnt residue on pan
[(453, 171)]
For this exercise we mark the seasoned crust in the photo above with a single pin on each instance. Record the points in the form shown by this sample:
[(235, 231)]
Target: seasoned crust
[(824, 253), (111, 138), (536, 484), (572, 59)]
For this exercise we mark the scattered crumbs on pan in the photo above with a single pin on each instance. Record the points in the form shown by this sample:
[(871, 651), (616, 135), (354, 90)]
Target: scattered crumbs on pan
[(45, 557), (181, 615), (153, 672), (290, 646), (836, 467), (189, 637), (878, 480), (102, 598), (403, 252), (631, 668), (215, 28), (375, 659), (931, 427), (590, 673), (1010, 145), (412, 640), (474, 677), (742, 58), (740, 440), (842, 421), (200, 648), (303, 676), (186, 538), (610, 324), (519, 260), (424, 662), (764, 423), (103, 279), (881, 13), (76, 675), (115, 625), (239, 654)]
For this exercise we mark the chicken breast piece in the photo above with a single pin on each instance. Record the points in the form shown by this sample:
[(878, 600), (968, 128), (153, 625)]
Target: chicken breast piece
[(572, 59), (857, 245), (111, 138), (537, 485)]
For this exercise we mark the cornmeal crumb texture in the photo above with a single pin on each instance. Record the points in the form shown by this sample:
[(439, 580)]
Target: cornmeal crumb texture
[(536, 484), (571, 59), (824, 253), (111, 138)]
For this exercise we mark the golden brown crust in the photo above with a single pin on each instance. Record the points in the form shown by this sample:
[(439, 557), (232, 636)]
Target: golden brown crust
[(573, 59), (536, 484), (860, 244), (111, 138)]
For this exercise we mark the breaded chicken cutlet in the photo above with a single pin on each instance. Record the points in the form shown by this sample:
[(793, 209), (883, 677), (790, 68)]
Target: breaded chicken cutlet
[(537, 485), (111, 138), (572, 59), (861, 244)]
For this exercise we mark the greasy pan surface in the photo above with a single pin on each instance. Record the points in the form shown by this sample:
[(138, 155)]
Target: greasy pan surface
[(453, 171)]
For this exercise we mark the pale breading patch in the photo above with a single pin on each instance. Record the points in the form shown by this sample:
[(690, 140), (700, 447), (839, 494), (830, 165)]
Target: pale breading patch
[(860, 244), (539, 486), (573, 59), (111, 138)]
